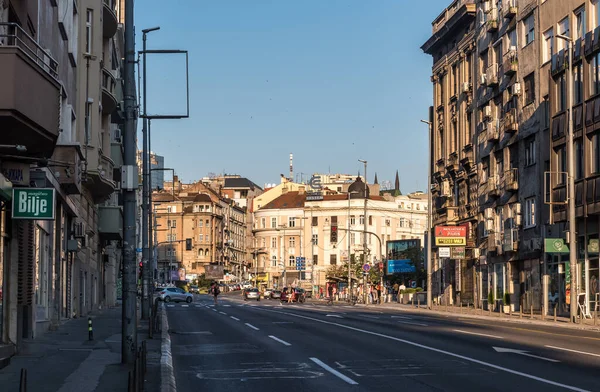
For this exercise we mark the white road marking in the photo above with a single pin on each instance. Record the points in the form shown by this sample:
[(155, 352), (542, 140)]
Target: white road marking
[(223, 313), (214, 310), (253, 327), (199, 306), (437, 350), (227, 306), (573, 351), (279, 340), (283, 322), (371, 317), (235, 318), (412, 323), (333, 315), (478, 334), (522, 352), (333, 371), (193, 333), (402, 317), (185, 306), (170, 306)]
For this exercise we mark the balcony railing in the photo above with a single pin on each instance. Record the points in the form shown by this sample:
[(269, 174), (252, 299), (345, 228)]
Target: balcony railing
[(510, 180), (13, 35)]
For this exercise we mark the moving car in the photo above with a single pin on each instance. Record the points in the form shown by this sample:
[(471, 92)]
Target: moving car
[(175, 294), (251, 294), (267, 293), (194, 289), (298, 295), (275, 294)]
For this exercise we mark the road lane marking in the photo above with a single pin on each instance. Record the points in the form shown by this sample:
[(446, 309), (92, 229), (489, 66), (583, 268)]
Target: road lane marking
[(279, 340), (253, 327), (235, 318), (449, 353), (403, 317), (333, 315), (573, 351), (223, 313), (371, 317), (412, 323), (170, 306), (227, 306), (214, 310), (478, 334), (283, 322), (185, 306), (530, 330), (199, 306), (522, 352), (333, 371)]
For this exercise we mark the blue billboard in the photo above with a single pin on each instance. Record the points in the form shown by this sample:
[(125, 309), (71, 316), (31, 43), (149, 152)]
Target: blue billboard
[(398, 261)]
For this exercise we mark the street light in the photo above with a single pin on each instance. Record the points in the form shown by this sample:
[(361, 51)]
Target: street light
[(429, 237), (147, 300), (365, 231), (571, 238)]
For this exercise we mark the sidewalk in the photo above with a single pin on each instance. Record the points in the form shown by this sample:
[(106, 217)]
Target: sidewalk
[(65, 360), (456, 311)]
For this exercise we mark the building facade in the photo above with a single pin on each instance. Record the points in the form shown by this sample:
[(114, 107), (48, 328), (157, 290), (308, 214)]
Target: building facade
[(157, 163)]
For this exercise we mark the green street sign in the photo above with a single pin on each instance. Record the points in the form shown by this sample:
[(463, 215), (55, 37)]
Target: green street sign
[(33, 203), (555, 245)]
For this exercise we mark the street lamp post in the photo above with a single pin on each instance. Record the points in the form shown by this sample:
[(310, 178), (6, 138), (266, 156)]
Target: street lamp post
[(429, 207), (365, 229), (283, 256), (145, 198), (571, 186)]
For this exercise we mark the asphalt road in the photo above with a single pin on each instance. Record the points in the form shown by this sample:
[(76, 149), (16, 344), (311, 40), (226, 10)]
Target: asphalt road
[(265, 346)]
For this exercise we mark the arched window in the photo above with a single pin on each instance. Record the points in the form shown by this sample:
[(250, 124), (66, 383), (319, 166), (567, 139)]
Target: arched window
[(200, 253)]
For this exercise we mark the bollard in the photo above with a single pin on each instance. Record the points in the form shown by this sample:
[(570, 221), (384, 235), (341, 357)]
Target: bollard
[(460, 307), (520, 312), (510, 311), (543, 314), (595, 316), (554, 313), (532, 312), (90, 330), (23, 381), (419, 302)]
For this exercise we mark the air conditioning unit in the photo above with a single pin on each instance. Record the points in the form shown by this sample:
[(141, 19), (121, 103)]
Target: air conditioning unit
[(512, 49), (488, 213), (483, 79), (466, 87), (487, 111), (516, 89), (489, 225), (78, 230)]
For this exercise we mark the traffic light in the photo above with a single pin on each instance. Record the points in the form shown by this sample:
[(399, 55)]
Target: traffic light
[(334, 234), (140, 270), (188, 244)]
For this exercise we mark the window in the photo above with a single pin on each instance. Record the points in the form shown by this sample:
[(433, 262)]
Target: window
[(315, 239), (200, 223), (88, 31), (595, 75), (315, 221), (579, 23), (370, 220), (274, 261), (563, 29), (273, 242), (512, 39), (332, 259), (361, 220), (201, 238), (352, 220), (548, 49), (206, 223), (561, 164), (530, 212), (173, 223), (561, 93), (273, 223), (595, 155), (529, 82), (529, 30), (292, 242), (170, 252), (315, 259), (352, 238), (292, 221), (169, 209), (530, 152), (292, 261), (454, 79), (387, 222), (263, 242), (578, 159), (594, 11), (578, 83), (263, 223)]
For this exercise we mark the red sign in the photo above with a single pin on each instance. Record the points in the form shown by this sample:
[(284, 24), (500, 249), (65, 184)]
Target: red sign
[(451, 231)]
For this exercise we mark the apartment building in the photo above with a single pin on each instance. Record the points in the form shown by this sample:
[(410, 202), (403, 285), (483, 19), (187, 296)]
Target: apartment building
[(455, 178), (157, 163), (292, 226)]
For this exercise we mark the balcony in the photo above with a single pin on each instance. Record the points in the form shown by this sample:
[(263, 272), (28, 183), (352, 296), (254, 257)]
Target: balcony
[(109, 19), (491, 20), (459, 14), (491, 75), (110, 223), (494, 186), (558, 125), (560, 62), (29, 93), (510, 122), (70, 174), (492, 133), (467, 161), (109, 84), (116, 155), (452, 163), (100, 179), (510, 9), (510, 180), (510, 63)]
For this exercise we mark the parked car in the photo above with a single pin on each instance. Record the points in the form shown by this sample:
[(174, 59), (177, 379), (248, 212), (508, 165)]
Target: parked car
[(251, 294), (298, 295), (175, 294), (267, 293), (194, 289), (275, 294)]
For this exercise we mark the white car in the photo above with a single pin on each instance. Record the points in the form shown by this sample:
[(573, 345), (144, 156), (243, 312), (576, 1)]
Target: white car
[(174, 294)]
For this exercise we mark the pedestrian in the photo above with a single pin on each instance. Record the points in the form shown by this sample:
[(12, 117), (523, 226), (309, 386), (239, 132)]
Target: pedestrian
[(379, 293), (320, 292), (215, 291), (290, 297), (330, 292)]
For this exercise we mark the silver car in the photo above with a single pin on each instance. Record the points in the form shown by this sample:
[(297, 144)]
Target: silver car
[(251, 294), (175, 294)]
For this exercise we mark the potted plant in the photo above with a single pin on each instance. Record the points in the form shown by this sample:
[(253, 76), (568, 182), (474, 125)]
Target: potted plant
[(506, 303), (491, 300)]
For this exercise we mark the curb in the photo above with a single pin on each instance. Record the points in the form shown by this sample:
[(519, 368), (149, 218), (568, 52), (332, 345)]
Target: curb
[(167, 375)]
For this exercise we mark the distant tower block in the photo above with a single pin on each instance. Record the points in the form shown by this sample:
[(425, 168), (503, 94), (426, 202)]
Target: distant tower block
[(291, 167)]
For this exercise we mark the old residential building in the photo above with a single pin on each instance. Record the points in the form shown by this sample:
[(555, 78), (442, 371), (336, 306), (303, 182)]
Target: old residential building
[(454, 143)]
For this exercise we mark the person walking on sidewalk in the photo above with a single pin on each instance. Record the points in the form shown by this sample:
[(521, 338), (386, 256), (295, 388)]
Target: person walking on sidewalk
[(330, 293), (215, 291)]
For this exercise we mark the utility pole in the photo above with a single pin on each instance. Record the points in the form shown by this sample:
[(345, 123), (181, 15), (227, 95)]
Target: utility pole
[(129, 310), (145, 197), (366, 195), (429, 212), (349, 258)]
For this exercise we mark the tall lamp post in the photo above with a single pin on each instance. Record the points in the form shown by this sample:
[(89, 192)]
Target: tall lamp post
[(366, 195), (145, 188), (571, 185), (429, 236)]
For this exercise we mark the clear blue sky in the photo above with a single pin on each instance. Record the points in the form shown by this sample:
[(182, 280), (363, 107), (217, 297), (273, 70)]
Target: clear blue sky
[(331, 81)]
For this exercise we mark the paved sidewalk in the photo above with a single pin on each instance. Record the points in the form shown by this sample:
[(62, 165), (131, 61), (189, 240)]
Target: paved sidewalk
[(65, 360)]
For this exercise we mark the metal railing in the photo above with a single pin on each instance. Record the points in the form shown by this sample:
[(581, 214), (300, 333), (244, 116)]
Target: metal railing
[(108, 81), (136, 376), (11, 34)]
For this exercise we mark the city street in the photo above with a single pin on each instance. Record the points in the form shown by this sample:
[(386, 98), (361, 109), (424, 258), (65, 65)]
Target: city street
[(267, 346)]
